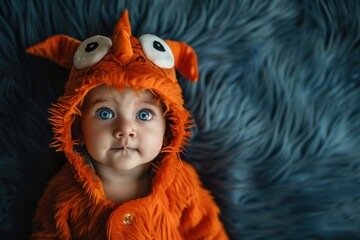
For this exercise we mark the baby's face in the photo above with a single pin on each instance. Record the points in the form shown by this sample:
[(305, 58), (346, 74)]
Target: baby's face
[(120, 129)]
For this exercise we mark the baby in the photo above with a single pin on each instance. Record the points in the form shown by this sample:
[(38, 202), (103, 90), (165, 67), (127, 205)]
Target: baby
[(123, 133), (121, 124)]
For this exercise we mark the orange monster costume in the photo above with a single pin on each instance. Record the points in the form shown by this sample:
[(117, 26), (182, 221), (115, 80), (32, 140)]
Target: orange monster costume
[(74, 204)]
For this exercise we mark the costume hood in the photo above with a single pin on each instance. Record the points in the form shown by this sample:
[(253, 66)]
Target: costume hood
[(145, 63)]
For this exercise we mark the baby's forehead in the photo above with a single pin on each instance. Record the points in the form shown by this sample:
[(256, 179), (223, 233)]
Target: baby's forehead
[(106, 93)]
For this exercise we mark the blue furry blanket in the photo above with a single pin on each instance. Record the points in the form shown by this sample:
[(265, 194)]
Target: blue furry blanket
[(277, 107)]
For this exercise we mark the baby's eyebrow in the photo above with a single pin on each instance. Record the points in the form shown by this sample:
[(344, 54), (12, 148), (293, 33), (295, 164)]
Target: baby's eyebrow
[(97, 101), (150, 103), (150, 100)]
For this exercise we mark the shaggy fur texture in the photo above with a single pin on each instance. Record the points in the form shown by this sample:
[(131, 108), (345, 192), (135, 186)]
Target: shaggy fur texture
[(276, 108)]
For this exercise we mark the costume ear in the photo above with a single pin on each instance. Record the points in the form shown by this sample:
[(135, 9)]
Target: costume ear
[(185, 59), (58, 48)]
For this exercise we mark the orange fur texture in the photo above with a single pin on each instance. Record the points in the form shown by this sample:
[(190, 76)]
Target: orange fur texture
[(74, 205)]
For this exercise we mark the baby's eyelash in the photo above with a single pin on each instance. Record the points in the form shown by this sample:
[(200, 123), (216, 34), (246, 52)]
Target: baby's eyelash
[(148, 109), (101, 108), (147, 106)]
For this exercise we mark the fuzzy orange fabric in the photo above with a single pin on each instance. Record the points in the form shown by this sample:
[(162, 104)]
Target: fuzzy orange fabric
[(177, 208), (74, 204)]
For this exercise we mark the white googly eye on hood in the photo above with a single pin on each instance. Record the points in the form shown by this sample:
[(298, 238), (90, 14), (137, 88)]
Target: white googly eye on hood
[(91, 51), (157, 51)]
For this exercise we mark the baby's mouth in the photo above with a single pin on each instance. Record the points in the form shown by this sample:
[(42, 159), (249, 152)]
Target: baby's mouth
[(123, 148)]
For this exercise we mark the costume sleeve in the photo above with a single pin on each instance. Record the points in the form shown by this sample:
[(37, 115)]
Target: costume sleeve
[(51, 217), (200, 219), (46, 226)]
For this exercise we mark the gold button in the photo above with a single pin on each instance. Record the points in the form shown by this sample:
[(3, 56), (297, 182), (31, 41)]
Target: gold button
[(127, 219)]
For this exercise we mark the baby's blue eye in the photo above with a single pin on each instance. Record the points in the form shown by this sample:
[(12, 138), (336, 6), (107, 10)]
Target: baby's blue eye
[(104, 113), (144, 115)]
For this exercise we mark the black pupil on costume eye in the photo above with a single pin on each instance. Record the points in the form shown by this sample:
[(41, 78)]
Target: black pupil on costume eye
[(91, 46), (158, 46)]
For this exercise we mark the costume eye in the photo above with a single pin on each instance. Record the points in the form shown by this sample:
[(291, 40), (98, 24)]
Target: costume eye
[(104, 113), (157, 51), (144, 115), (91, 51)]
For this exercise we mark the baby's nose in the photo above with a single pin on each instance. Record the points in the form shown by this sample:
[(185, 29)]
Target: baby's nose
[(125, 128)]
